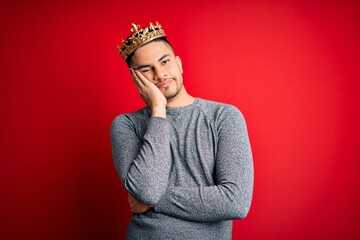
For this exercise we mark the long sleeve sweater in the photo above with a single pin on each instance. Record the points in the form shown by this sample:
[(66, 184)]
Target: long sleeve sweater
[(194, 166)]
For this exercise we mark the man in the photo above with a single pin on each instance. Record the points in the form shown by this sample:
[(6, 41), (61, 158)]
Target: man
[(185, 162)]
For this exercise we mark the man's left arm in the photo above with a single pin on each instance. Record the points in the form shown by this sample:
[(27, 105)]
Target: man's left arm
[(230, 197)]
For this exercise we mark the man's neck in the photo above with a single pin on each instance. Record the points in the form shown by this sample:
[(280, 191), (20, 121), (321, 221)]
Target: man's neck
[(181, 100)]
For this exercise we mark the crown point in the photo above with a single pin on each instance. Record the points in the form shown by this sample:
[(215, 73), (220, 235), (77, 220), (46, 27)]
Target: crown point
[(135, 27), (152, 27)]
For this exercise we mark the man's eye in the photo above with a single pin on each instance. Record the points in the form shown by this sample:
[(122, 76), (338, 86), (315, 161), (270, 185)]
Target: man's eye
[(145, 70), (165, 61)]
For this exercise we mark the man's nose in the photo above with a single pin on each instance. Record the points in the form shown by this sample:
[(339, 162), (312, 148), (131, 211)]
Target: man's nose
[(159, 74)]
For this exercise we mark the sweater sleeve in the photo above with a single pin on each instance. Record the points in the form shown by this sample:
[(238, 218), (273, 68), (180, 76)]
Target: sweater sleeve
[(230, 197), (143, 165)]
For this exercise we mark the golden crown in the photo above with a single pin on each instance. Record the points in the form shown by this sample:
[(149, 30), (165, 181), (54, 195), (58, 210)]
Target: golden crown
[(139, 37)]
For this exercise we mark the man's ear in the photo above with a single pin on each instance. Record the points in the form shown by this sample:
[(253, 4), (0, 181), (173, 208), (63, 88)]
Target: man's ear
[(178, 60)]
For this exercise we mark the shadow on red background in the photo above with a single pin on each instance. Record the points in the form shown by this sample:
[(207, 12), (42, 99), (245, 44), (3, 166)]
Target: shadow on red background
[(292, 68)]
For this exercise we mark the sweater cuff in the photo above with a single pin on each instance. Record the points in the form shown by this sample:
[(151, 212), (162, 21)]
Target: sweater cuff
[(164, 204), (157, 123), (170, 202)]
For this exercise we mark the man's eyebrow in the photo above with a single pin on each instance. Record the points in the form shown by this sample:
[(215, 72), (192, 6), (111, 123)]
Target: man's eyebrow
[(166, 55), (148, 65)]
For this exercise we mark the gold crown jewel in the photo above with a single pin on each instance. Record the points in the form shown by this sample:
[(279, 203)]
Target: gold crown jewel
[(139, 37)]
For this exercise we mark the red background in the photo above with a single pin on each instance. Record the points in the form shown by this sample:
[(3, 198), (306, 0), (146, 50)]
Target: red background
[(292, 67)]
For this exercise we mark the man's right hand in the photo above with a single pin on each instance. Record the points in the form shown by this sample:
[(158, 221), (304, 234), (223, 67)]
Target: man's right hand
[(136, 206), (151, 95)]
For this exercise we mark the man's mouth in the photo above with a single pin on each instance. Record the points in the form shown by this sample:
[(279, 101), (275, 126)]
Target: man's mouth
[(164, 83)]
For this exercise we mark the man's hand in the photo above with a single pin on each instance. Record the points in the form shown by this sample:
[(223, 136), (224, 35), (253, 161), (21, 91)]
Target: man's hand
[(151, 95), (136, 206)]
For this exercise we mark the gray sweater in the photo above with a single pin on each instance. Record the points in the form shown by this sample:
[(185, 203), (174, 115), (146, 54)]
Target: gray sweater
[(195, 167)]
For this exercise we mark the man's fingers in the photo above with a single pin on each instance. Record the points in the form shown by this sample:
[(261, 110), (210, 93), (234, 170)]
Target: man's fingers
[(141, 77), (136, 206), (135, 78)]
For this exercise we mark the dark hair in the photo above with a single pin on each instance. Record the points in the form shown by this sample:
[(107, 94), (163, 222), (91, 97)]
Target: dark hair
[(162, 39)]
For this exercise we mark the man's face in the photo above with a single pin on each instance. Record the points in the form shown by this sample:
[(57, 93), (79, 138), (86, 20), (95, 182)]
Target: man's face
[(158, 63)]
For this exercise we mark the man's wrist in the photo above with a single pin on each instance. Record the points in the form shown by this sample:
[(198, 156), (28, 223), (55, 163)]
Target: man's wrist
[(158, 112)]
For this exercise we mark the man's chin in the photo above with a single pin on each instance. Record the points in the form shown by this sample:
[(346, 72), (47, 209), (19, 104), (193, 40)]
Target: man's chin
[(171, 96)]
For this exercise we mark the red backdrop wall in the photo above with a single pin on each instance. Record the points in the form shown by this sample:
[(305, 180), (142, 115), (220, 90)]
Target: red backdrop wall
[(292, 67)]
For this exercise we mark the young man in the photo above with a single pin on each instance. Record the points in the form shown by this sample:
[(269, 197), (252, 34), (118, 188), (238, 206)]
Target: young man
[(185, 162)]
